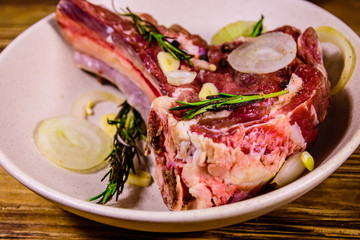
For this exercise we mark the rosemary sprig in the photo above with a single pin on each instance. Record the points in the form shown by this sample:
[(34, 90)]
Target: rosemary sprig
[(223, 101), (258, 27), (150, 32), (130, 130)]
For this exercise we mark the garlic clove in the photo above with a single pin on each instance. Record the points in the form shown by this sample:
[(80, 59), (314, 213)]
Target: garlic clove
[(208, 89), (167, 62), (180, 77), (307, 160)]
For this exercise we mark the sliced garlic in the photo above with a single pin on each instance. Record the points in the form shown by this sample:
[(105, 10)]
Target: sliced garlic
[(208, 89), (180, 77), (140, 179), (167, 62)]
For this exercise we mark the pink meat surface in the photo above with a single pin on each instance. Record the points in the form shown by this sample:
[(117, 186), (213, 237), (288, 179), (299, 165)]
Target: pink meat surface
[(110, 46), (219, 157)]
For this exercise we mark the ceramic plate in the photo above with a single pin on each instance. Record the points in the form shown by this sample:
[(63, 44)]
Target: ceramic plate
[(40, 80)]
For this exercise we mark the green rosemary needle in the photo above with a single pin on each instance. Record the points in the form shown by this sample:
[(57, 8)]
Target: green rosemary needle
[(258, 27), (130, 130), (150, 32), (223, 101)]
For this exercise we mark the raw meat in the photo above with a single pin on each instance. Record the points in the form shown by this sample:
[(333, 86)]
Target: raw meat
[(110, 46), (219, 157)]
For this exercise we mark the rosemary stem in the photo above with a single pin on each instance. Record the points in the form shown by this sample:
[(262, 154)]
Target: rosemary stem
[(150, 32), (275, 94), (129, 132), (221, 102)]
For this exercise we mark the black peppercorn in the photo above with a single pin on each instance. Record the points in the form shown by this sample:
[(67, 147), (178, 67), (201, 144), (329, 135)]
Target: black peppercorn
[(225, 48), (175, 44), (284, 83), (223, 63), (204, 57)]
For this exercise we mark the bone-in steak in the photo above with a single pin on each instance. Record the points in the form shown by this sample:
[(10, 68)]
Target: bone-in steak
[(218, 157)]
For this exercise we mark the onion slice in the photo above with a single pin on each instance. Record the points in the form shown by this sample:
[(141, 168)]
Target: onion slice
[(72, 143), (83, 106), (232, 31), (264, 54), (329, 34), (109, 129)]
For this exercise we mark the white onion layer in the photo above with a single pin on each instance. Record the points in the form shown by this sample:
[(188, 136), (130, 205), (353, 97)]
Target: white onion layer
[(329, 34), (83, 106), (264, 54), (72, 143)]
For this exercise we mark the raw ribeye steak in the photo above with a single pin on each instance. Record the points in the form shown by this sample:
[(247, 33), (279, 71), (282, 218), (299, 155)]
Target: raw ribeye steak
[(217, 157)]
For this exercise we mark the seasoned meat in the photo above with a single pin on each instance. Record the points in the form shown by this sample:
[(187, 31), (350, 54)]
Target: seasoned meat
[(218, 157)]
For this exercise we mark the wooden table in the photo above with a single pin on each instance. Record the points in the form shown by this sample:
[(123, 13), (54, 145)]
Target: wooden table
[(331, 210)]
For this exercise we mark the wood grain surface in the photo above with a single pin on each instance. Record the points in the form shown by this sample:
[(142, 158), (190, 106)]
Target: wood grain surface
[(330, 211)]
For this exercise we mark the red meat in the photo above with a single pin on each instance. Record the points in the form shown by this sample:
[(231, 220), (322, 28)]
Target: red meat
[(218, 157)]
